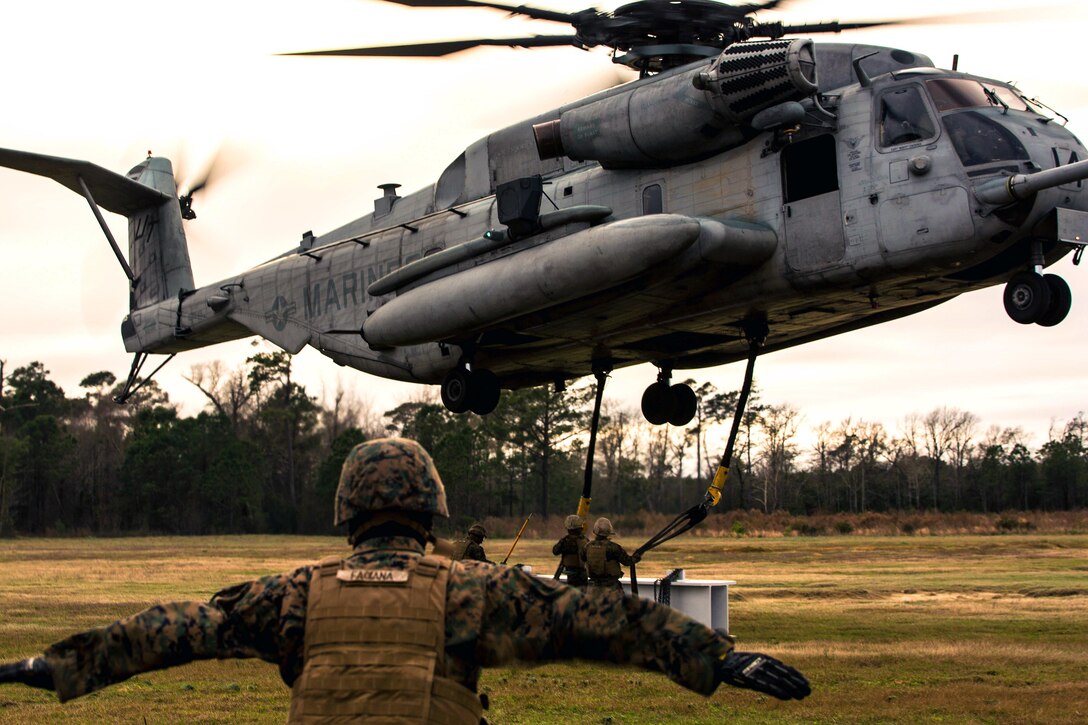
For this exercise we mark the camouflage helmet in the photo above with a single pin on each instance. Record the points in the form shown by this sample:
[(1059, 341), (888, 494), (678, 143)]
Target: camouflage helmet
[(572, 522), (603, 527), (478, 530), (389, 474)]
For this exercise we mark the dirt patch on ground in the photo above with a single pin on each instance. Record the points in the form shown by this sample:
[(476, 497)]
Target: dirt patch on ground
[(1054, 592), (816, 594)]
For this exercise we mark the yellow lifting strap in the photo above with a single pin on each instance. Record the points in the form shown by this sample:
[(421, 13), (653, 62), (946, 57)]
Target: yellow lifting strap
[(717, 486)]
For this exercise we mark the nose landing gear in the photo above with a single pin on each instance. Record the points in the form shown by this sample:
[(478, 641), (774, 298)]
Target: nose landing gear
[(1031, 297), (1061, 300), (1034, 297)]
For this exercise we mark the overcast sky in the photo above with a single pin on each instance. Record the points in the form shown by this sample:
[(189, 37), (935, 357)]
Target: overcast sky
[(308, 140)]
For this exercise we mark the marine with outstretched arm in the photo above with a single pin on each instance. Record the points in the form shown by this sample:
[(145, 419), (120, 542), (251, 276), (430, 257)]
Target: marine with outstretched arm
[(395, 633)]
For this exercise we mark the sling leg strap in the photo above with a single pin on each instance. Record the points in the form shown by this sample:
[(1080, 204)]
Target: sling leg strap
[(756, 332)]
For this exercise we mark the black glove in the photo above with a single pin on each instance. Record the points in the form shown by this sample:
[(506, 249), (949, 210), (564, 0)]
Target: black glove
[(763, 673), (34, 672)]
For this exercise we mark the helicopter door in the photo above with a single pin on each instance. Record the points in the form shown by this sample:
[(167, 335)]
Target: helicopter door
[(812, 210)]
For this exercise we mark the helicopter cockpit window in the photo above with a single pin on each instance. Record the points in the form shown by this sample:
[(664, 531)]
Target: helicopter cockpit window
[(981, 140), (904, 117), (1011, 98), (952, 93), (651, 200)]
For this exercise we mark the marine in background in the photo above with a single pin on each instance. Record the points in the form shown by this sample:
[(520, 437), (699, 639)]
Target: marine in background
[(393, 633), (569, 549), (603, 557), (471, 548)]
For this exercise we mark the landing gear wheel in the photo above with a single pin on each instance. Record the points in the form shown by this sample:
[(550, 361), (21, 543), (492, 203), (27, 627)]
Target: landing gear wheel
[(1061, 299), (484, 392), (1027, 297), (456, 391), (656, 403), (683, 406)]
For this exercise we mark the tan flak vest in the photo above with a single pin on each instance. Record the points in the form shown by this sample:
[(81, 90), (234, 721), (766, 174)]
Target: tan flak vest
[(571, 558), (460, 548), (598, 564), (375, 648)]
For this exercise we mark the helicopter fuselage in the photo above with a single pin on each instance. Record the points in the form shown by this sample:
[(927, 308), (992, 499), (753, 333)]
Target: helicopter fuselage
[(561, 245)]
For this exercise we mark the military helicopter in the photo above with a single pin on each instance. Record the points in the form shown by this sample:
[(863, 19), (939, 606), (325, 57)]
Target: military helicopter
[(747, 188)]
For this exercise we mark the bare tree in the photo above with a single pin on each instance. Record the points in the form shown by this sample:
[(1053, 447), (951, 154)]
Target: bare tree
[(777, 453), (347, 410), (844, 454), (822, 448), (872, 444), (906, 456), (945, 428), (228, 391), (962, 442), (704, 466), (617, 440)]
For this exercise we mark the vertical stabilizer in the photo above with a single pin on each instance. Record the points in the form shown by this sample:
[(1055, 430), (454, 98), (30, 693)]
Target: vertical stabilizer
[(157, 251), (158, 255)]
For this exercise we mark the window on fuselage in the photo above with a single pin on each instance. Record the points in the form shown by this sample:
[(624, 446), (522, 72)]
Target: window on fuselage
[(904, 117), (652, 201), (809, 168)]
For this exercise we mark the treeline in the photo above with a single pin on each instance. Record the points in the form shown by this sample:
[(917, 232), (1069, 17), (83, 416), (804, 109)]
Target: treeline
[(265, 454)]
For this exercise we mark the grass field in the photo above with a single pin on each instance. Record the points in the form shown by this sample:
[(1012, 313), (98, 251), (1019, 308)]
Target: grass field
[(949, 629)]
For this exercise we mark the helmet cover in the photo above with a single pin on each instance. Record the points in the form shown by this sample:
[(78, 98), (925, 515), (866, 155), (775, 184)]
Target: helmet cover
[(389, 474)]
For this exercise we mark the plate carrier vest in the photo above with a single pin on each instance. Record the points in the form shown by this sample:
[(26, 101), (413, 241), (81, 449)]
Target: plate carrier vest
[(375, 648), (598, 564), (460, 548), (571, 558)]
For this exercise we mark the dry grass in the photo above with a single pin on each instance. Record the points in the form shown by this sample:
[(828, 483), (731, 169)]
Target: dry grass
[(756, 524), (951, 629)]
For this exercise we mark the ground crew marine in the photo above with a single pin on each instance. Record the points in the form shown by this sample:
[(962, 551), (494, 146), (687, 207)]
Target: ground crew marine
[(471, 547), (569, 549), (328, 626), (382, 632), (604, 557)]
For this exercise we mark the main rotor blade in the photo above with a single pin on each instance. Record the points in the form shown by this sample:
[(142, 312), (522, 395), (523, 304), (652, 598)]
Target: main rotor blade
[(992, 16), (535, 13), (449, 46), (829, 27)]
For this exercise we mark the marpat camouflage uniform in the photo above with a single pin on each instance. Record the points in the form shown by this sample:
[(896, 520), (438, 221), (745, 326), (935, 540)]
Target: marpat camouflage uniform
[(473, 551), (471, 547), (492, 615), (495, 615)]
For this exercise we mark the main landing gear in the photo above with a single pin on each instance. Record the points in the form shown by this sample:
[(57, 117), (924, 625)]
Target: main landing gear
[(663, 403), (465, 389), (755, 331), (1032, 297)]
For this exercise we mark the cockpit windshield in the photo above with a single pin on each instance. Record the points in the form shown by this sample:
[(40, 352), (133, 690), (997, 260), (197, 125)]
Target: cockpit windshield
[(950, 94), (979, 138)]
